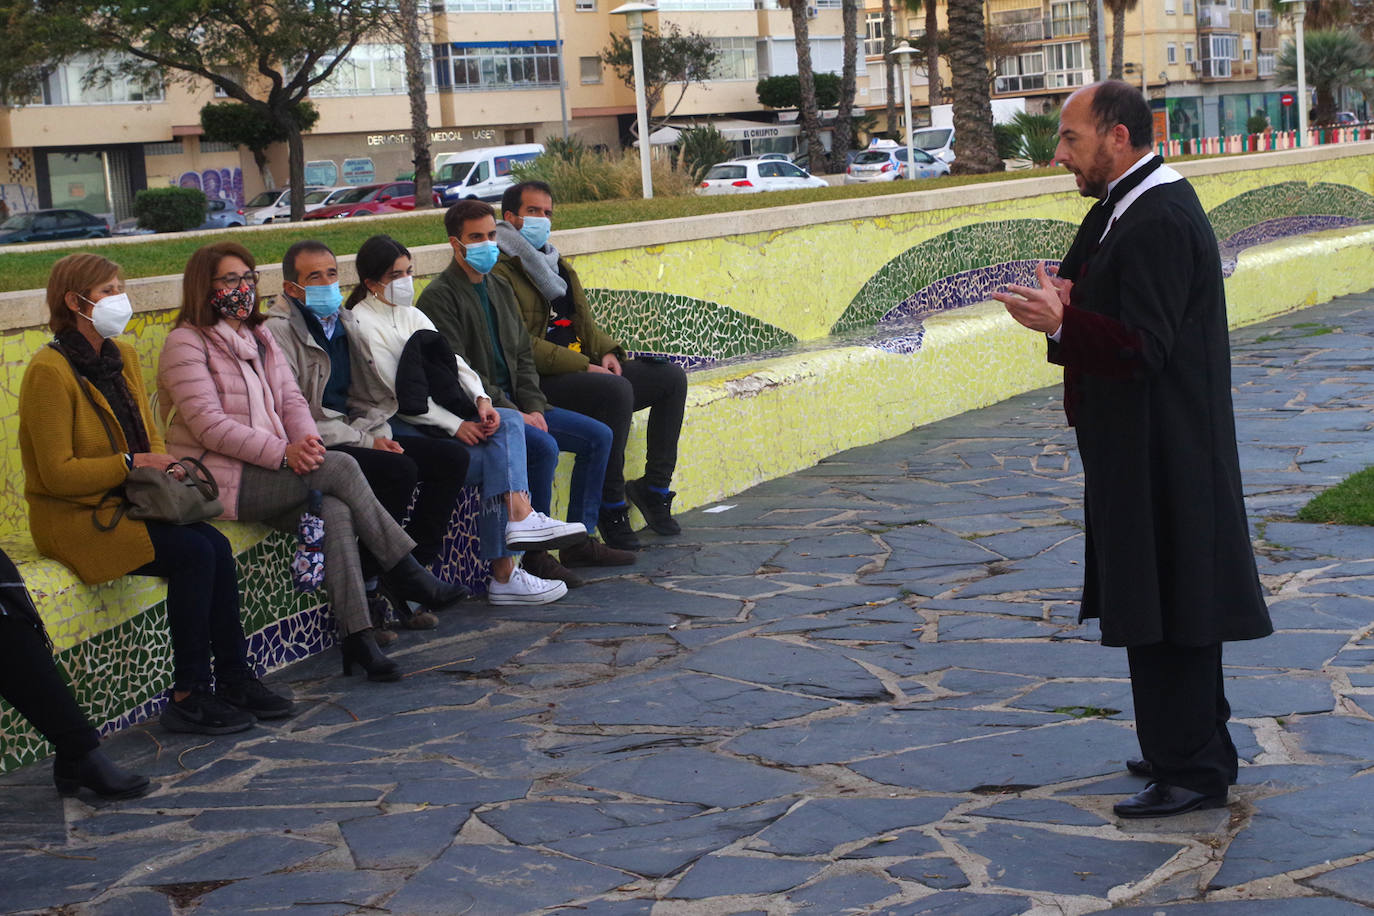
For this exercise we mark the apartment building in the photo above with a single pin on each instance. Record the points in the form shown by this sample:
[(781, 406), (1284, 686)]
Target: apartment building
[(1206, 66), (495, 68), (494, 74)]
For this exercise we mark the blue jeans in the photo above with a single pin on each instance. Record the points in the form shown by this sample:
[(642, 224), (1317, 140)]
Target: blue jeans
[(496, 467), (590, 441)]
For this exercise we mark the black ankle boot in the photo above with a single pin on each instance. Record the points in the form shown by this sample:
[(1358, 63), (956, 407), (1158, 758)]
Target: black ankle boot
[(361, 648), (98, 773), (410, 581)]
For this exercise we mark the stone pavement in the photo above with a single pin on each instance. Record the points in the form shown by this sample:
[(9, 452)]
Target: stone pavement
[(860, 689)]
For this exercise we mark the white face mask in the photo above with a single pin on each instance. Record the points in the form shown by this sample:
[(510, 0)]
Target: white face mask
[(110, 316), (401, 291)]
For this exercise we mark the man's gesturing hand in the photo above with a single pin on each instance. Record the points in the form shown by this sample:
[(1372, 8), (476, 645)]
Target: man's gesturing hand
[(1040, 309)]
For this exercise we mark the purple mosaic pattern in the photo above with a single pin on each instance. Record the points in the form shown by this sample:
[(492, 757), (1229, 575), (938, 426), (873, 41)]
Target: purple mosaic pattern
[(1274, 229)]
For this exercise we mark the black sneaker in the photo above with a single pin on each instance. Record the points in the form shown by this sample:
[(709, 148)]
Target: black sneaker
[(657, 508), (614, 525), (252, 696), (202, 713)]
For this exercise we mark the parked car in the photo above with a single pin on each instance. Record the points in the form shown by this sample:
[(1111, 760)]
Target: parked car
[(52, 226), (481, 174), (938, 141), (751, 176), (888, 163), (326, 197), (270, 206), (364, 200), (784, 156), (1346, 119)]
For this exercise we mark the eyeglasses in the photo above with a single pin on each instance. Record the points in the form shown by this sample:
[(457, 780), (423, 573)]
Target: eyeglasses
[(233, 281)]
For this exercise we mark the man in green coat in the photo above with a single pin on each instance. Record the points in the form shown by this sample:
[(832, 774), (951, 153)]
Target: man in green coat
[(582, 368)]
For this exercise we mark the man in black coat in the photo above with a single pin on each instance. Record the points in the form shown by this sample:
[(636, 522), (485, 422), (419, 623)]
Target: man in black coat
[(1136, 315)]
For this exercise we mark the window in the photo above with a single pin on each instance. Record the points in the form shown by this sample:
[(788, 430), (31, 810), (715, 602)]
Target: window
[(1265, 65), (706, 4), (1065, 64), (1068, 17), (368, 70), (1019, 25), (736, 59), (586, 6), (590, 68), (496, 6), (174, 148), (496, 65), (217, 146), (1188, 56), (828, 4), (1264, 18), (1171, 53), (1187, 7), (1218, 52), (65, 85), (1247, 5), (873, 35), (1020, 73), (1247, 48)]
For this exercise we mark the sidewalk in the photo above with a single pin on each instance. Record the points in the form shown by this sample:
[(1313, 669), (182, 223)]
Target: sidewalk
[(859, 689)]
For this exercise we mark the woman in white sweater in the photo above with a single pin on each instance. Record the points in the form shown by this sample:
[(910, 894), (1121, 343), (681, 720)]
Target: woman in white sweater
[(493, 437)]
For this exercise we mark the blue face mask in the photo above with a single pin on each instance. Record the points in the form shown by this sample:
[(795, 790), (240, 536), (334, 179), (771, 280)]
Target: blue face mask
[(535, 230), (481, 256), (323, 301)]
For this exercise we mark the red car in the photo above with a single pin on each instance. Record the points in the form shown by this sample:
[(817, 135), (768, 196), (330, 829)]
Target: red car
[(364, 200)]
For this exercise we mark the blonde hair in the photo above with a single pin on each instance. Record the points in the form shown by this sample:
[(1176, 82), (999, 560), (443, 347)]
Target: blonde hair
[(76, 273)]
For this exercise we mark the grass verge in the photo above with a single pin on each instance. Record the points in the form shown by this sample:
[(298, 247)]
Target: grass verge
[(1350, 502), (27, 269)]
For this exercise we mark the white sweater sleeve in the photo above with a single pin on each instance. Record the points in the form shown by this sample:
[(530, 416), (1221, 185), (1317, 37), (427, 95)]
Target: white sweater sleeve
[(389, 331)]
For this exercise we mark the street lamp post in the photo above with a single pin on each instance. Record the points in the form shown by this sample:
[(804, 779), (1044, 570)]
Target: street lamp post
[(562, 83), (634, 21), (903, 53), (1299, 14)]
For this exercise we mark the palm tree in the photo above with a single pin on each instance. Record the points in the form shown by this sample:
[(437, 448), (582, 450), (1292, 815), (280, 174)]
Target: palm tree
[(1119, 10), (1336, 59), (806, 77), (408, 25), (967, 52), (843, 135), (1094, 29)]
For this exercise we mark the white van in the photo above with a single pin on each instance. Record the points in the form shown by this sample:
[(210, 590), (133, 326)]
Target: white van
[(483, 174)]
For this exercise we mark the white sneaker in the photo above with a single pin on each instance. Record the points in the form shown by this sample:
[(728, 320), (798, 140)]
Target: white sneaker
[(538, 531), (522, 588)]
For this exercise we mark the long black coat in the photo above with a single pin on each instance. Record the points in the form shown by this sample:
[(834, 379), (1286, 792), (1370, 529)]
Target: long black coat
[(1148, 388)]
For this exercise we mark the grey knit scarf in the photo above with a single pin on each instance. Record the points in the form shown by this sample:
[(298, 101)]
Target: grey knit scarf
[(540, 266)]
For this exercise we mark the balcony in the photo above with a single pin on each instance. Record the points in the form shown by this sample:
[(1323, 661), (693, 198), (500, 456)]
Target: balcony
[(1216, 68), (1213, 16), (1266, 65), (1038, 30), (1014, 85)]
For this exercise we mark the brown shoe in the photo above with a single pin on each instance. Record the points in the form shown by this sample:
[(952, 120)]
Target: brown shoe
[(592, 552), (540, 563), (422, 620), (383, 637)]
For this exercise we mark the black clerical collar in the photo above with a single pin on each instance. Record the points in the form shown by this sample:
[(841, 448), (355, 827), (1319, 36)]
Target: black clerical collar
[(1129, 182)]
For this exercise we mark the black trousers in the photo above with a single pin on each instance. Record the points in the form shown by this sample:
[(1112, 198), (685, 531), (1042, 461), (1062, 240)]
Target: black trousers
[(31, 683), (438, 466), (202, 603), (613, 399), (1181, 714)]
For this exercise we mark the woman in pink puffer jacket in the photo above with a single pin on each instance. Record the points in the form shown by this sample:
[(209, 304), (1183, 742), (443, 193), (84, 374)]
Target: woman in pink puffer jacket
[(230, 397)]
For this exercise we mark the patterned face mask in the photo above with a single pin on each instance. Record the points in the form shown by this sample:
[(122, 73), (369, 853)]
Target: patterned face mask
[(236, 303)]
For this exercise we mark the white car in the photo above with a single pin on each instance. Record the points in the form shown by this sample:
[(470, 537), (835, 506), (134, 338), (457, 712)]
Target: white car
[(270, 206), (323, 197), (889, 164), (750, 176)]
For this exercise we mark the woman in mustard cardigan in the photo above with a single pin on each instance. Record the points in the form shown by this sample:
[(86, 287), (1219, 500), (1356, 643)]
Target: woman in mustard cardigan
[(84, 423)]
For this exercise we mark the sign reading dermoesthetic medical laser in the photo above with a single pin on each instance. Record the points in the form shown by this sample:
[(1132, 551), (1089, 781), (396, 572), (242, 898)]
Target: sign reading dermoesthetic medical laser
[(435, 136)]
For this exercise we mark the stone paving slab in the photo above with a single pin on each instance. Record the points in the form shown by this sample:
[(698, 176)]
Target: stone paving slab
[(864, 689)]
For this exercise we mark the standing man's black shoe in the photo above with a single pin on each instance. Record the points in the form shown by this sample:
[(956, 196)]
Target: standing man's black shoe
[(1159, 799)]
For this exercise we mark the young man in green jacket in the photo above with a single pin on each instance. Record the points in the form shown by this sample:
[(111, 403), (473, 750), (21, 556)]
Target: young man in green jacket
[(476, 314), (582, 368)]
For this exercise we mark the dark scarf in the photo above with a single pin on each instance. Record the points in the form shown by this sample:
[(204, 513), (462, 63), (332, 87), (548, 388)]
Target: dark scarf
[(1099, 217), (105, 370)]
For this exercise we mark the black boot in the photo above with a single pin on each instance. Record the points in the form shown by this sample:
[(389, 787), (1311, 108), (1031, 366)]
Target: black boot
[(98, 773), (410, 581), (360, 647)]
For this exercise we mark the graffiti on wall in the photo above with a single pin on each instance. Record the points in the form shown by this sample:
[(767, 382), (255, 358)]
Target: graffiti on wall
[(218, 184), (18, 198)]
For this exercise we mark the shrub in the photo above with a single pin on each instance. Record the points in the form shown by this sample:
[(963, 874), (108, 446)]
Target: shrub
[(701, 148), (169, 209), (570, 150), (1257, 123), (785, 91), (1039, 135), (597, 177), (1008, 141)]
